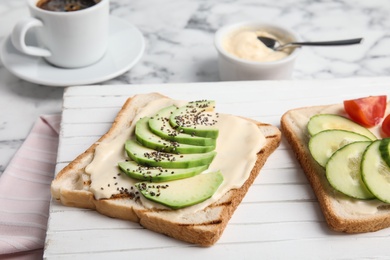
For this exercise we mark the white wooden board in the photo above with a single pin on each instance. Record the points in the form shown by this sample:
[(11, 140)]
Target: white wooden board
[(278, 219)]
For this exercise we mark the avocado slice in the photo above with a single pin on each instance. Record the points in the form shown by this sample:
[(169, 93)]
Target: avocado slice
[(183, 193), (159, 124), (158, 174), (148, 139), (152, 158), (196, 118)]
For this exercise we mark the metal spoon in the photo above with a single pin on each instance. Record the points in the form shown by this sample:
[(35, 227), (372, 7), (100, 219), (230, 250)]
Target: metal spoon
[(275, 45)]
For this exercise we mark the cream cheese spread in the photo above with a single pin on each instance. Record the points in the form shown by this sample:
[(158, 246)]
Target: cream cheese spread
[(360, 207), (245, 45), (238, 143)]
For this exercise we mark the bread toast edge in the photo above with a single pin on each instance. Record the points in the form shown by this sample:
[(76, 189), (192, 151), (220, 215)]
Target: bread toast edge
[(325, 194)]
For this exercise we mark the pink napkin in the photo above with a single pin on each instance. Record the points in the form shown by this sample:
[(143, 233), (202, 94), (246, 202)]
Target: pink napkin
[(25, 192)]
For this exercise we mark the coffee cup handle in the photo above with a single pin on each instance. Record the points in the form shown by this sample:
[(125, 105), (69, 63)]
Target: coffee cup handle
[(18, 37)]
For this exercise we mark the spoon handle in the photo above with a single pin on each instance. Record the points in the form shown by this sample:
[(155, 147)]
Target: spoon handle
[(331, 43), (324, 43)]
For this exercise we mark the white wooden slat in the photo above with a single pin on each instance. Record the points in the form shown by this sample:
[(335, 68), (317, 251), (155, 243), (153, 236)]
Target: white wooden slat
[(282, 176), (66, 157), (280, 159), (70, 148), (247, 213), (279, 217), (332, 248), (252, 104), (277, 231), (293, 88), (83, 129), (96, 221), (77, 140), (273, 120), (90, 115), (106, 114), (247, 104), (257, 213), (279, 193), (93, 102), (108, 240), (132, 238), (55, 207), (255, 235)]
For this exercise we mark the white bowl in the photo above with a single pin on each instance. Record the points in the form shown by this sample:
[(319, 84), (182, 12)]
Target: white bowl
[(232, 68)]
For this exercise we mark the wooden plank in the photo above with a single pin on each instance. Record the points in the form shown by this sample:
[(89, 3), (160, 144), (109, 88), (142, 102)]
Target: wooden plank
[(279, 217), (279, 193), (331, 248), (283, 176), (254, 235), (85, 130)]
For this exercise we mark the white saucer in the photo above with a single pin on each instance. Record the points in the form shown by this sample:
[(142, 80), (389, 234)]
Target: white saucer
[(125, 48)]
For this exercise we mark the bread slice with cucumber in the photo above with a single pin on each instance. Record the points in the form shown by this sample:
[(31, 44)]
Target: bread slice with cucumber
[(176, 167), (346, 162)]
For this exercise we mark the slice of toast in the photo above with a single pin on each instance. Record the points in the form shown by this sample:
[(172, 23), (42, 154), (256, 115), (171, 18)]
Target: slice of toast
[(341, 212), (203, 227)]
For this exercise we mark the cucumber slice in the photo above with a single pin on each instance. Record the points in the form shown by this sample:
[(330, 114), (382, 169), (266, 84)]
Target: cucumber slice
[(323, 144), (384, 148), (376, 172), (343, 171), (321, 122)]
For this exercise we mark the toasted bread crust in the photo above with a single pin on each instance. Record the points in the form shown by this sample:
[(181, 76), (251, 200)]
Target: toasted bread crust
[(204, 228), (336, 217)]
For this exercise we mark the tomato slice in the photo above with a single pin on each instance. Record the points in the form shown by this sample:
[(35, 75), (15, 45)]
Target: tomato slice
[(367, 111), (386, 126)]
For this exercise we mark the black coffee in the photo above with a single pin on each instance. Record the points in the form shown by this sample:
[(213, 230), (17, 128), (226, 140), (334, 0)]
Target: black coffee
[(66, 5)]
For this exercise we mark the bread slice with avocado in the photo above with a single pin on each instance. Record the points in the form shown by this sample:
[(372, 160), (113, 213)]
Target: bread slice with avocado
[(338, 182), (168, 186)]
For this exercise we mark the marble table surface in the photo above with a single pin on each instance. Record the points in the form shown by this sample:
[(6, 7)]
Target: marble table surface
[(179, 48)]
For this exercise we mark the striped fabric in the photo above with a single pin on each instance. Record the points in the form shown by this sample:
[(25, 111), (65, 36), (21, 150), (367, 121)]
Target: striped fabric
[(25, 191)]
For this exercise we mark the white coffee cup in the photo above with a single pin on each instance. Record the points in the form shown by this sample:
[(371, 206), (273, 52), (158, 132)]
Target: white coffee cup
[(65, 39)]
